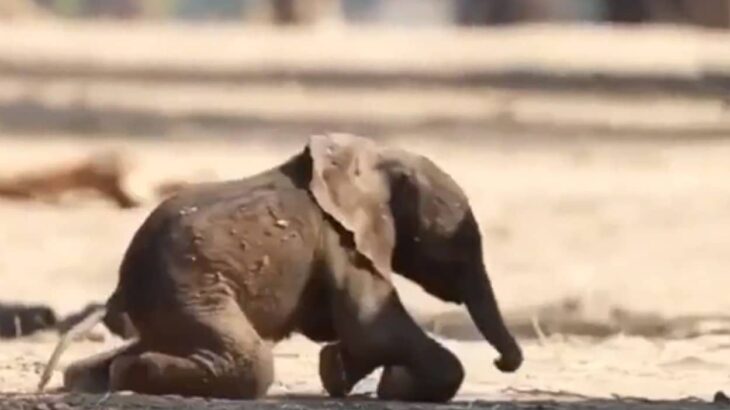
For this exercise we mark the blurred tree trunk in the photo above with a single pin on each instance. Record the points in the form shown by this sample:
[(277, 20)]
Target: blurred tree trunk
[(157, 9), (123, 9), (626, 11), (69, 8), (291, 12), (484, 12), (285, 11), (708, 13)]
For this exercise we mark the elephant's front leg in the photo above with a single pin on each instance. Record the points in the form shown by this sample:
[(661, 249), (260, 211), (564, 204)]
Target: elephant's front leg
[(339, 371), (339, 376), (375, 330)]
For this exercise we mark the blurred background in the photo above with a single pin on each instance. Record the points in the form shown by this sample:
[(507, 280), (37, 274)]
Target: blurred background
[(591, 135), (709, 13)]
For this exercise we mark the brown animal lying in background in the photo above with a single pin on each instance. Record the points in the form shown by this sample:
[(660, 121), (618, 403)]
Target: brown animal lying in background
[(102, 173), (18, 320)]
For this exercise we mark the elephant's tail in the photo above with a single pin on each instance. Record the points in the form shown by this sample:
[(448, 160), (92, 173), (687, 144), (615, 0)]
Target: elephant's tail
[(116, 319), (83, 327)]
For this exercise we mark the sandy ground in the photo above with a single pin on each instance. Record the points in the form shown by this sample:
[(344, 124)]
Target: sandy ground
[(605, 216), (638, 226)]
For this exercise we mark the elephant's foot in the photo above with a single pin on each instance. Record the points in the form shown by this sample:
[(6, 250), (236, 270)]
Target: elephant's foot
[(339, 371), (332, 372), (206, 374), (396, 383), (436, 379), (91, 375)]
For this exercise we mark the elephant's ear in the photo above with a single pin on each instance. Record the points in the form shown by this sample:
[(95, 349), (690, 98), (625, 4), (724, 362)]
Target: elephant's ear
[(349, 185)]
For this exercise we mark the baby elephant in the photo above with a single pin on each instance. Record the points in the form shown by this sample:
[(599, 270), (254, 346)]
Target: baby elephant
[(220, 269)]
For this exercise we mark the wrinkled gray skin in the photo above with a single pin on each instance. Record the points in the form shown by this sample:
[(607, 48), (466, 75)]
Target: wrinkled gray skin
[(308, 247)]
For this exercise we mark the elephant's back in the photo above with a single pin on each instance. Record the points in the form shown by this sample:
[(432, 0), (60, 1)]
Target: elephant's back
[(147, 274), (252, 240)]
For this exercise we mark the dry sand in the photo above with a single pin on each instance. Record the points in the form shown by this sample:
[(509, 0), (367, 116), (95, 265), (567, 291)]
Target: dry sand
[(620, 205), (640, 226)]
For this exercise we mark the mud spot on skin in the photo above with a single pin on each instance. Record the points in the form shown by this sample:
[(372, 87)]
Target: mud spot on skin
[(272, 213), (251, 289), (259, 265), (188, 210), (218, 276), (210, 278)]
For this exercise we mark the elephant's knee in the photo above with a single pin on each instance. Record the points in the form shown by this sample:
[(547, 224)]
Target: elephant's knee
[(446, 379), (436, 378), (397, 383)]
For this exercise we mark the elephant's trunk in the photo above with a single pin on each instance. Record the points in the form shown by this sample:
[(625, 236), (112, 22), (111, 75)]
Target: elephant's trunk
[(484, 311)]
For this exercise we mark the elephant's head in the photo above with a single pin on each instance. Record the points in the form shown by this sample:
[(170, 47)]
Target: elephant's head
[(409, 216)]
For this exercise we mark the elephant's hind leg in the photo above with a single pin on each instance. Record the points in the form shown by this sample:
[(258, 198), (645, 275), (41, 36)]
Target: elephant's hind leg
[(91, 375), (223, 357)]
